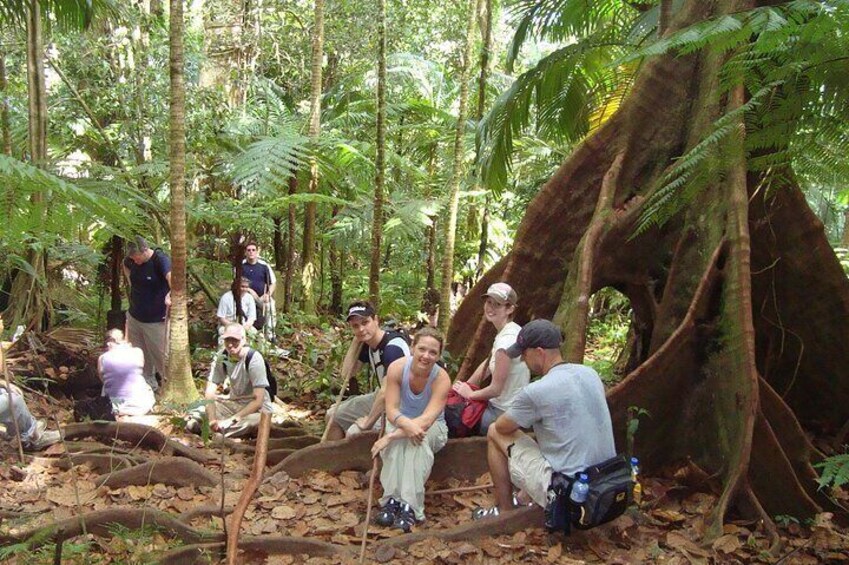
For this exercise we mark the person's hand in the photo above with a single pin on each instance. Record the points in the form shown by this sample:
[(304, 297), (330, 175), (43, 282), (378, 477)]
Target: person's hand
[(380, 445), (266, 298), (362, 423), (224, 424), (463, 389), (168, 299), (412, 429)]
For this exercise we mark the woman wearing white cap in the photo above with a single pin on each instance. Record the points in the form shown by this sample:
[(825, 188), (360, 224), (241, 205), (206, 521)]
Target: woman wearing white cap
[(508, 375)]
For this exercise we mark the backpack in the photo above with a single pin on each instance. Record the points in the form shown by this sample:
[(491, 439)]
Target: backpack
[(463, 417), (611, 492), (272, 380), (97, 409)]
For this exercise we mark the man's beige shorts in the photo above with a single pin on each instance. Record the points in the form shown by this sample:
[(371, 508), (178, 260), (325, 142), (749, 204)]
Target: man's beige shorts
[(529, 470)]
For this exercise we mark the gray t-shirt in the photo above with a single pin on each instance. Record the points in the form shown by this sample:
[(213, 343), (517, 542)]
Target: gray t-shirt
[(242, 382), (568, 412)]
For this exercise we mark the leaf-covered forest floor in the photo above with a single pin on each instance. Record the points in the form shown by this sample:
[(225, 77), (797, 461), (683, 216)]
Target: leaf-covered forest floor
[(668, 527)]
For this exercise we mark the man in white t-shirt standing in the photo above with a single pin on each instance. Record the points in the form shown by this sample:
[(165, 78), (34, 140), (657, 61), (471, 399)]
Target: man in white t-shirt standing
[(508, 375)]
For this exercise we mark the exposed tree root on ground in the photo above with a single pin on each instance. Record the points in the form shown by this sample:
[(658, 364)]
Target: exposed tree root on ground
[(173, 471), (256, 546), (99, 523), (137, 434)]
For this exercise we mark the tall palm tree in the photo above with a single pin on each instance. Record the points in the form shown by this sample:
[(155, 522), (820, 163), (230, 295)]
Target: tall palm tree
[(180, 387)]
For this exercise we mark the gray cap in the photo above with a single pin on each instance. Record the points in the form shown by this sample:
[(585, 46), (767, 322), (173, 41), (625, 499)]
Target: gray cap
[(538, 333), (502, 292)]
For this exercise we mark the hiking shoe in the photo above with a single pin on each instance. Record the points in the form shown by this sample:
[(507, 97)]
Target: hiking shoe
[(405, 518), (386, 516), (41, 437), (193, 426), (517, 503), (480, 512)]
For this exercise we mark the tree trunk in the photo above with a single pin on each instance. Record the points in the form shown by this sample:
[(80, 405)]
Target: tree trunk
[(744, 325), (4, 107), (179, 387), (456, 173), (309, 270), (279, 245), (288, 275), (486, 51), (380, 161), (29, 299), (335, 273)]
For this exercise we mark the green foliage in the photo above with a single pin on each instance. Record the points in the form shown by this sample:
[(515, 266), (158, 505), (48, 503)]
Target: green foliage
[(835, 471), (634, 415)]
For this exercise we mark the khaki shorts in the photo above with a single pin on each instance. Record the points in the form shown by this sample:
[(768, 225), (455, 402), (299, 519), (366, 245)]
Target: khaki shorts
[(529, 470), (353, 409)]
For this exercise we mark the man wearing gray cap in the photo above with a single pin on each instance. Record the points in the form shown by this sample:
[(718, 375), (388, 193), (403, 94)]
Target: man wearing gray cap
[(568, 412), (148, 274)]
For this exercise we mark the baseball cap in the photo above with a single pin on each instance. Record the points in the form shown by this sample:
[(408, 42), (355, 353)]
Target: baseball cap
[(538, 333), (502, 292), (235, 331), (363, 310)]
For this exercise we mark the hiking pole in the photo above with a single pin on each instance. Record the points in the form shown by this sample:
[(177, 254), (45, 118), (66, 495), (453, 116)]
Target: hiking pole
[(4, 377), (364, 541), (347, 369)]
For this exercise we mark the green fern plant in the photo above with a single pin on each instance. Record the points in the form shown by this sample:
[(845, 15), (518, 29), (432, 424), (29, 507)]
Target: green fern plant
[(835, 471)]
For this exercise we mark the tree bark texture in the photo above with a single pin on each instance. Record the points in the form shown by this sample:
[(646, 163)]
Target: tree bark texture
[(741, 308), (457, 171), (380, 160), (179, 387), (29, 297), (288, 274), (308, 274)]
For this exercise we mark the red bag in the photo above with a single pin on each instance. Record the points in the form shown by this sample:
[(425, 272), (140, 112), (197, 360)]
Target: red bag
[(463, 417)]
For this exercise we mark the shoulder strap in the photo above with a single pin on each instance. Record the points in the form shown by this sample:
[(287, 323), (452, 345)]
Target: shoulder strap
[(248, 358)]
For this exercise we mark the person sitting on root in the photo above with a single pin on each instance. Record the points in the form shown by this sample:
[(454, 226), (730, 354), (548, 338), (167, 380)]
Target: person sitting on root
[(227, 311), (121, 370), (14, 414), (380, 348), (236, 414), (416, 390), (508, 376), (568, 412)]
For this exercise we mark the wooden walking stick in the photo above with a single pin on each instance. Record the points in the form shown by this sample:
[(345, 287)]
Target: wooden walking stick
[(4, 378), (347, 368), (364, 540), (249, 489)]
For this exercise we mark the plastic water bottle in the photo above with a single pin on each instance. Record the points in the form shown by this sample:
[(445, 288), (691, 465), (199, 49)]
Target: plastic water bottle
[(635, 478), (580, 490)]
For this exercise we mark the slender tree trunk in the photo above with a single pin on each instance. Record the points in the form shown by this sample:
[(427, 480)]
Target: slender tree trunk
[(844, 241), (179, 387), (308, 274), (335, 273), (486, 52), (4, 107), (456, 173), (289, 272), (29, 299), (380, 161), (279, 245)]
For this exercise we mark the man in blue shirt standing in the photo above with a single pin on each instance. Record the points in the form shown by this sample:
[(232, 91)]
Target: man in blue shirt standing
[(263, 283), (148, 274)]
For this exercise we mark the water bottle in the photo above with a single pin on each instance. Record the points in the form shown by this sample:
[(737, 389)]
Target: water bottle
[(580, 490), (635, 478)]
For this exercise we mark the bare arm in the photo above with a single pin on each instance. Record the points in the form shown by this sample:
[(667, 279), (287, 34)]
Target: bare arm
[(209, 394), (253, 406), (479, 373), (499, 377), (392, 391), (376, 411), (505, 425)]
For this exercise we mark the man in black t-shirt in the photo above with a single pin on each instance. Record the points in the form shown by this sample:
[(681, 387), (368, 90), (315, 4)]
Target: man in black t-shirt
[(148, 274), (380, 348)]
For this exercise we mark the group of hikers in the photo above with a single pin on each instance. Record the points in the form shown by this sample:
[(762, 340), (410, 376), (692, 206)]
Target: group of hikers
[(565, 408)]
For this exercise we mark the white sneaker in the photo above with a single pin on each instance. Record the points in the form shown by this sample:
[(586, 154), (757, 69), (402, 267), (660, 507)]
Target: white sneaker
[(41, 437)]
